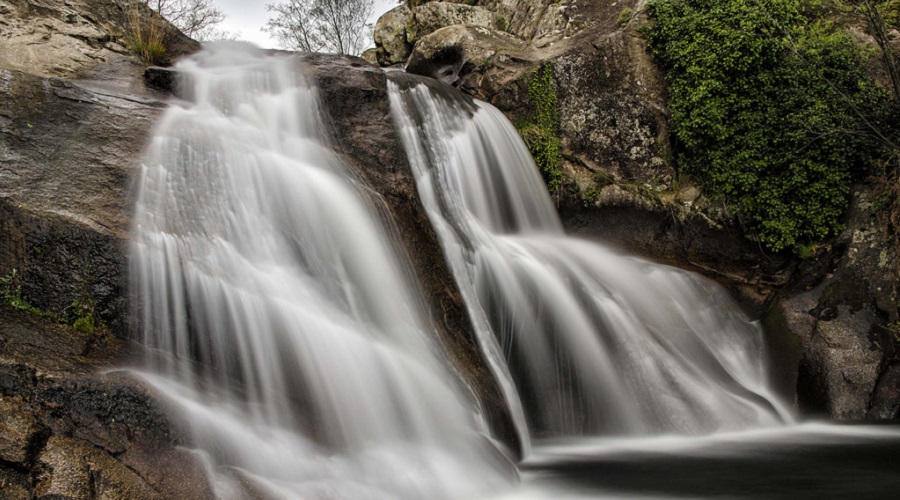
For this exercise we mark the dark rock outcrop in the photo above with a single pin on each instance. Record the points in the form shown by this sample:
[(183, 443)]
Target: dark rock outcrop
[(839, 317), (71, 431)]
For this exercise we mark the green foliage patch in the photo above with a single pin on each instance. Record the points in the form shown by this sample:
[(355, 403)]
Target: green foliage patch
[(11, 295), (769, 110), (81, 314), (539, 131)]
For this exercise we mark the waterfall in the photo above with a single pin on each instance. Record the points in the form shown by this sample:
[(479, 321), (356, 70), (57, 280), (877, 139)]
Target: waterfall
[(281, 324), (596, 343)]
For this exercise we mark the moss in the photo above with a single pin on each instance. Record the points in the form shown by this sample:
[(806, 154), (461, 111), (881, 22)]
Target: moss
[(540, 129), (625, 17), (591, 195), (81, 315)]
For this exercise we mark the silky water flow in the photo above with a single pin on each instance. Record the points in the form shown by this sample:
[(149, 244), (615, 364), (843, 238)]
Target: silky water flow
[(596, 343), (288, 336), (632, 379), (281, 326)]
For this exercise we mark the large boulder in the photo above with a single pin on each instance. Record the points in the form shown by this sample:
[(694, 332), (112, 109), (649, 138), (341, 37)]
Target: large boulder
[(391, 42), (839, 322), (78, 433), (436, 15), (453, 53)]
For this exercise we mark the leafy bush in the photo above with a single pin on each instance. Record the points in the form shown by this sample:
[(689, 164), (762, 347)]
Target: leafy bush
[(768, 110)]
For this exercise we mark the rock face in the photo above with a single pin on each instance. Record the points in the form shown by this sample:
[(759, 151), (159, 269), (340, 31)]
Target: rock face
[(66, 430), (842, 324), (66, 39), (533, 19), (613, 111), (391, 43), (436, 15)]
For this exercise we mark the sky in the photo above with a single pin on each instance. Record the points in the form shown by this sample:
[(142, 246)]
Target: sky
[(247, 17)]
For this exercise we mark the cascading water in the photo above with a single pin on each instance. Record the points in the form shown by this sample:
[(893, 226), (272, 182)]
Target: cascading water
[(597, 343), (281, 324)]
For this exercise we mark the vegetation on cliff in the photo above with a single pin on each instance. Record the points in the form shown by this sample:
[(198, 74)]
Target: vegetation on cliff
[(771, 110), (540, 130)]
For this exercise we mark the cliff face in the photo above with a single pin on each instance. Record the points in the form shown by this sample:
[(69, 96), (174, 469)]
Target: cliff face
[(618, 186)]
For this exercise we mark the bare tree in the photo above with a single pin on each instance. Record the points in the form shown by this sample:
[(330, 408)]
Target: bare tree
[(197, 19), (337, 26)]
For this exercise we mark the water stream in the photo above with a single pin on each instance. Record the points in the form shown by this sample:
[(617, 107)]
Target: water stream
[(283, 328), (597, 343), (289, 338)]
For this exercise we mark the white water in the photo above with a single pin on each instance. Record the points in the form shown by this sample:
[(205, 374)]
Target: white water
[(597, 343), (284, 332)]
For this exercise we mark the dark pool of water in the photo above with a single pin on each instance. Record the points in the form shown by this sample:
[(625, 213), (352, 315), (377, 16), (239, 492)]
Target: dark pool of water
[(811, 461)]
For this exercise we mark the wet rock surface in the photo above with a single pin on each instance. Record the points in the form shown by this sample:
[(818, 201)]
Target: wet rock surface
[(71, 429), (67, 151)]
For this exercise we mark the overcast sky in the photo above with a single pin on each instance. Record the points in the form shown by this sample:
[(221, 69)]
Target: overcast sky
[(247, 17)]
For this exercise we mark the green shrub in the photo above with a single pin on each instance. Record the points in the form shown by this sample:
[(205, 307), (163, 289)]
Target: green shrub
[(539, 131), (766, 111), (82, 315)]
